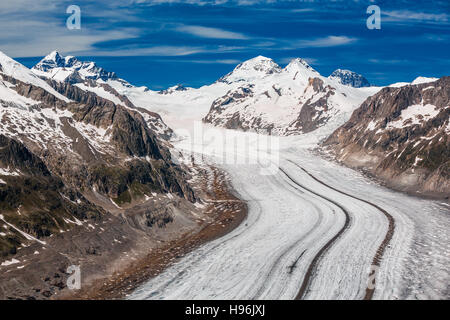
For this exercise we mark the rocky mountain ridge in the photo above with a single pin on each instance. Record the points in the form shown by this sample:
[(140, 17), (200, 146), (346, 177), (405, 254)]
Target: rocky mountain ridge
[(77, 146), (401, 134), (87, 76)]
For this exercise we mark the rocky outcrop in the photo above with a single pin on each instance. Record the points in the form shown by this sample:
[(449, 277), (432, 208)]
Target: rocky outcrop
[(15, 156), (314, 112), (402, 136), (219, 106)]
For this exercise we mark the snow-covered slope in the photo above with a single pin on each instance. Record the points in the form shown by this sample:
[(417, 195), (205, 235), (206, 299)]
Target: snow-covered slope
[(418, 80), (10, 67), (252, 70)]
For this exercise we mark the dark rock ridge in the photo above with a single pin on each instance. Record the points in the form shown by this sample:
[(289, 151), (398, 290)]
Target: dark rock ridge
[(350, 78), (402, 136)]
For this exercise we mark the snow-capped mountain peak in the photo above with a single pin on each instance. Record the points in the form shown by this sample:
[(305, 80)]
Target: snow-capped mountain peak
[(91, 78), (16, 70), (52, 60), (300, 66), (349, 78), (252, 69), (62, 68), (420, 80), (259, 63)]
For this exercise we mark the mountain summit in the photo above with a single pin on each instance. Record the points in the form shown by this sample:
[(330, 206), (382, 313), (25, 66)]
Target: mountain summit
[(252, 69), (58, 67), (349, 78)]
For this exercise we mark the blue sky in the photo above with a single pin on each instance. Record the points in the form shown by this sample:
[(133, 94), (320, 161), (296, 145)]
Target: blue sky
[(159, 43)]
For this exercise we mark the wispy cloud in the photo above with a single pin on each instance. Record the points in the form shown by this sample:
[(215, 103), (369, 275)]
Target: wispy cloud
[(287, 60), (42, 37), (406, 15), (162, 51), (167, 51), (207, 32), (329, 41), (209, 61), (303, 10), (210, 2), (34, 28), (388, 61)]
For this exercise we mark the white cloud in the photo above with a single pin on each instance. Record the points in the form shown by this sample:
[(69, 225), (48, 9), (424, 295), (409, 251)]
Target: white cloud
[(303, 10), (388, 61), (214, 33)]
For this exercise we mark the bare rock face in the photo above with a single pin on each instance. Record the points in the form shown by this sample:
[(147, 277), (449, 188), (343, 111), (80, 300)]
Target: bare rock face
[(313, 114), (402, 136), (33, 200)]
